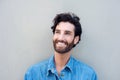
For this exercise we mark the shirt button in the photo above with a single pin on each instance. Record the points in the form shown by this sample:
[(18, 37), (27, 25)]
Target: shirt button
[(62, 75)]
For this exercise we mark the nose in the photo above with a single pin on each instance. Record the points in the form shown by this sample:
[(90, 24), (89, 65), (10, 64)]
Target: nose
[(61, 37)]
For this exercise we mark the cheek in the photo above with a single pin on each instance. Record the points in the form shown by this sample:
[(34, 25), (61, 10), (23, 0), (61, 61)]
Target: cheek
[(70, 39), (54, 37)]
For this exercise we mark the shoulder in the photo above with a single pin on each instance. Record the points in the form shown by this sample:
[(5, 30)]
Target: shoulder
[(38, 67), (86, 71), (82, 66), (36, 71)]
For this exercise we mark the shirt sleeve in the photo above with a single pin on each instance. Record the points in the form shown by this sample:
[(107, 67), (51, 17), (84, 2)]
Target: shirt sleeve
[(28, 76), (94, 77)]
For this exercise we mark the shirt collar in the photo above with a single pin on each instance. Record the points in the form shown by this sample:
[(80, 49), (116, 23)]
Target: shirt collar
[(51, 65), (69, 65)]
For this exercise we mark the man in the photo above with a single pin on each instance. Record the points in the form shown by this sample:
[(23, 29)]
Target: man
[(62, 66)]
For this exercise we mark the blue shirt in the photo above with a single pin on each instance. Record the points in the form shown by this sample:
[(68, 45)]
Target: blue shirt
[(73, 70)]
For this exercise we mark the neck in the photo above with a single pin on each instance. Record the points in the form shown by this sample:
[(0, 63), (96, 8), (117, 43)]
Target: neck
[(61, 60)]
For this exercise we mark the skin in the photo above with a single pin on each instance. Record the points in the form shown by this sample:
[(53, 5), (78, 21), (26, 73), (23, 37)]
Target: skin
[(64, 35)]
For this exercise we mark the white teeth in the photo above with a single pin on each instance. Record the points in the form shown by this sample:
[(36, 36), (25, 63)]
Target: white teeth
[(61, 43)]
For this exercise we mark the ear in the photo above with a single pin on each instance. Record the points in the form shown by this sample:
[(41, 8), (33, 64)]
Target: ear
[(76, 39)]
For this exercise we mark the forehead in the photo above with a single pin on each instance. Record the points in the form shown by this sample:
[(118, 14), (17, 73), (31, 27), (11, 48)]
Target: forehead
[(65, 26)]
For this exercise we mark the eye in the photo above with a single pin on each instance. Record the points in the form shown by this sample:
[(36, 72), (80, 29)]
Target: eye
[(67, 32), (57, 31)]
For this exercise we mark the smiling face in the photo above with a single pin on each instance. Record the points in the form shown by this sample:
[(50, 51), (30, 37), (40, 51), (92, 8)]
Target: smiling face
[(64, 37)]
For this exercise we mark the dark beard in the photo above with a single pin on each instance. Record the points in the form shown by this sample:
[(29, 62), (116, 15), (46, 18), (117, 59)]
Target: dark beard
[(66, 49)]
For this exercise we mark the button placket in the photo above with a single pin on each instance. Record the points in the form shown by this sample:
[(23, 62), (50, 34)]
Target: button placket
[(62, 74)]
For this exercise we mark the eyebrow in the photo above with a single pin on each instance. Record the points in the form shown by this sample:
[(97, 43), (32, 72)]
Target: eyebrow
[(66, 31), (57, 30)]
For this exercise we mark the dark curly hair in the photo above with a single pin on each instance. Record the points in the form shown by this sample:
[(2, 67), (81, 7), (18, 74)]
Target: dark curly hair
[(68, 17)]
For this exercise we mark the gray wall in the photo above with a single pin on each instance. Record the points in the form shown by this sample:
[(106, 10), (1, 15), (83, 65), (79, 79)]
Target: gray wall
[(25, 35)]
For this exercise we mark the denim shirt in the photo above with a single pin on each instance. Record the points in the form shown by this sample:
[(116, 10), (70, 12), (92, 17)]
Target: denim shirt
[(73, 70)]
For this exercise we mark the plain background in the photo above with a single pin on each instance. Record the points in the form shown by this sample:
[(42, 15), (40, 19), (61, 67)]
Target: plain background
[(26, 37)]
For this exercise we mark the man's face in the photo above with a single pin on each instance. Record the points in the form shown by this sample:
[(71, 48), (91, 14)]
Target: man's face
[(63, 39)]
